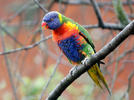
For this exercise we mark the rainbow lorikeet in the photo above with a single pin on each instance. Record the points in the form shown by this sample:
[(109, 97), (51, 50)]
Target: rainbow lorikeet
[(75, 42)]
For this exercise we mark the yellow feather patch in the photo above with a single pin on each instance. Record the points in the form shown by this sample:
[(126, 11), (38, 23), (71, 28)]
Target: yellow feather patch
[(71, 25), (92, 52), (60, 17)]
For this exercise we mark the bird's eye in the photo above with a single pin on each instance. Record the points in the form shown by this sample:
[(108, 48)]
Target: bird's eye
[(51, 19)]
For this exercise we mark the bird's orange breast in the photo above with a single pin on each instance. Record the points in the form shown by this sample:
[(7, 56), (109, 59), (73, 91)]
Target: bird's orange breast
[(64, 31)]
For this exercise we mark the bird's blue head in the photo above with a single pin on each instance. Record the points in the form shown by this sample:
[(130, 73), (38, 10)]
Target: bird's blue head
[(52, 20)]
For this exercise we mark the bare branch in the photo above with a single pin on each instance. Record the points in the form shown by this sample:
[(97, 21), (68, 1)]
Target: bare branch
[(101, 54), (129, 85), (101, 24), (19, 11), (9, 34), (52, 75), (97, 11), (9, 70), (41, 6), (27, 47), (105, 26), (100, 4)]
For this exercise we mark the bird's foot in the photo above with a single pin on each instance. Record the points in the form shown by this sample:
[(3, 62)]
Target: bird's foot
[(85, 60), (101, 62), (72, 70)]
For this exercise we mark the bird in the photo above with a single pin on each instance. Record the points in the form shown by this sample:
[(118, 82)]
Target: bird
[(75, 42)]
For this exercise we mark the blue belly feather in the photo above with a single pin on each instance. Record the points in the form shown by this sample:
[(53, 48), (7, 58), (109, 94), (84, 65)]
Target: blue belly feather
[(71, 48)]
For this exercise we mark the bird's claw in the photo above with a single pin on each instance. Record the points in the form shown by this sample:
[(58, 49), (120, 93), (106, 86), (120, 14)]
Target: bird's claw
[(85, 60), (72, 70)]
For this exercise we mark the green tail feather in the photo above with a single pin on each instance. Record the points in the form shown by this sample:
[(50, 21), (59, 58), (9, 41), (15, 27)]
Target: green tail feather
[(97, 77)]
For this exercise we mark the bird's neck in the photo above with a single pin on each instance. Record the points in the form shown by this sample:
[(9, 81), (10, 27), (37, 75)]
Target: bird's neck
[(61, 30), (64, 31)]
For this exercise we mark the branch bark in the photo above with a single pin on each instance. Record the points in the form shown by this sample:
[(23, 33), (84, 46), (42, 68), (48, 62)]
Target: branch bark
[(101, 54), (97, 12)]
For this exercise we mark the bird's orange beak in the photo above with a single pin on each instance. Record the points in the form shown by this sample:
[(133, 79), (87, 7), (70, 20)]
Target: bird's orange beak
[(44, 25)]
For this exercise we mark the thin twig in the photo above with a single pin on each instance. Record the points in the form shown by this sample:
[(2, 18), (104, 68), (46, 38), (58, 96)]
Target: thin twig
[(122, 56), (97, 12), (9, 34), (101, 24), (105, 26), (41, 6), (128, 61), (129, 86), (52, 75), (27, 47), (19, 11), (9, 70), (100, 4)]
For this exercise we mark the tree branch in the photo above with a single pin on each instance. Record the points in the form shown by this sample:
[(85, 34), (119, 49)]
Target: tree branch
[(51, 76), (97, 11), (27, 47), (100, 4), (105, 26), (41, 6), (101, 54), (9, 70), (9, 34), (101, 23), (129, 85)]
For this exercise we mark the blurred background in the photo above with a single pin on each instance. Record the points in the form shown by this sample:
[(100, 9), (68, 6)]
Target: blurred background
[(31, 64)]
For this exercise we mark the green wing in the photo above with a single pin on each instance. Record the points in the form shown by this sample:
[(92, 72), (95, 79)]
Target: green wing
[(86, 35)]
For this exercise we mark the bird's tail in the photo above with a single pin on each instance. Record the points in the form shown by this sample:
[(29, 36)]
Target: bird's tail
[(97, 77)]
